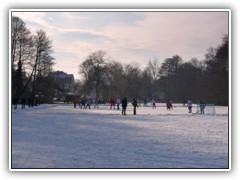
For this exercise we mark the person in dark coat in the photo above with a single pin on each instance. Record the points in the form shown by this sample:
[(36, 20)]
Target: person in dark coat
[(202, 107), (134, 103), (189, 105), (124, 106)]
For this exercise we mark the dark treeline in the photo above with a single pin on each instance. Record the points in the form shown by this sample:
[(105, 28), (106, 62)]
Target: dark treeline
[(174, 79)]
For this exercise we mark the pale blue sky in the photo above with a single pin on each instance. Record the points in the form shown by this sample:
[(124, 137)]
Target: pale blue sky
[(128, 36)]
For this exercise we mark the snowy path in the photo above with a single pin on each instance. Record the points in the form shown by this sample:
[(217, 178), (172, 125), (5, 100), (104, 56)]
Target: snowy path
[(58, 136)]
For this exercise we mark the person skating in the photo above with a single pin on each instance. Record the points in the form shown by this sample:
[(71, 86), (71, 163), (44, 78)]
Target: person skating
[(189, 105), (134, 103), (118, 103), (168, 104), (124, 106), (153, 104), (89, 102), (75, 103), (202, 107), (112, 103)]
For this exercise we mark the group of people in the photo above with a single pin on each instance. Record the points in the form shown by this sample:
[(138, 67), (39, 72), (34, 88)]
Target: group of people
[(30, 102), (170, 106), (201, 105), (85, 103), (124, 103)]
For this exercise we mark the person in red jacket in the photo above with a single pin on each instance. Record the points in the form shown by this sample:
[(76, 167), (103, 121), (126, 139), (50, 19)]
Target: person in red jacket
[(112, 103)]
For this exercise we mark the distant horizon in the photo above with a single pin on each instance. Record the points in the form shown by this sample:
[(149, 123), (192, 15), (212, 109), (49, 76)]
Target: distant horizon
[(128, 36)]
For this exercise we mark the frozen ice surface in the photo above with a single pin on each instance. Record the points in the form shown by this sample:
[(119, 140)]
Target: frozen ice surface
[(59, 136)]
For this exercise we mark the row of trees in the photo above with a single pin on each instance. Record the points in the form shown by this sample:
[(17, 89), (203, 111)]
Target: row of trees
[(201, 80), (32, 61)]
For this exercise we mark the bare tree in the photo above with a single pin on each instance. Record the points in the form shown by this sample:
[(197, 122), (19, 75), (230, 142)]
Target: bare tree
[(153, 68), (131, 77), (94, 71), (42, 60), (115, 79), (22, 49)]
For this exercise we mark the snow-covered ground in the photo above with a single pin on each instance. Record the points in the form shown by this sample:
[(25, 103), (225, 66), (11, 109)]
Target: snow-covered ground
[(59, 136)]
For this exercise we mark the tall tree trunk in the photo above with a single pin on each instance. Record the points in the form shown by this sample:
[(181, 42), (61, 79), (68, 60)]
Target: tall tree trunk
[(29, 79)]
